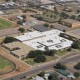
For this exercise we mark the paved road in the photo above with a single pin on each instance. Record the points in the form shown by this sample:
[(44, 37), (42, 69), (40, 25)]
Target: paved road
[(45, 66)]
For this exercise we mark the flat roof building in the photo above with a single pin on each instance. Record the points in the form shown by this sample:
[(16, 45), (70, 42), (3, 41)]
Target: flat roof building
[(74, 33), (70, 23), (60, 27), (39, 40), (40, 28), (18, 49), (66, 0)]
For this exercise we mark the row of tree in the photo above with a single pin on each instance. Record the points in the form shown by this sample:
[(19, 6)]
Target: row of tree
[(47, 25), (39, 56)]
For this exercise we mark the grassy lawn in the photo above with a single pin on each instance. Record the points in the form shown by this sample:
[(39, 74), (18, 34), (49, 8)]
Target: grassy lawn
[(48, 58), (4, 63), (4, 23), (61, 53), (31, 61)]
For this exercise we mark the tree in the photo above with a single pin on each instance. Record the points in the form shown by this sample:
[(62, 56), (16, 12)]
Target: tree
[(78, 11), (51, 26), (23, 20), (53, 76), (61, 35), (41, 74), (64, 30), (20, 22), (64, 15), (8, 39), (51, 16), (46, 25), (60, 66), (46, 50), (22, 30), (77, 66), (40, 58), (23, 16), (49, 52), (52, 52), (76, 74), (39, 18), (31, 54), (78, 18), (69, 49), (55, 10), (75, 45), (38, 52), (73, 17)]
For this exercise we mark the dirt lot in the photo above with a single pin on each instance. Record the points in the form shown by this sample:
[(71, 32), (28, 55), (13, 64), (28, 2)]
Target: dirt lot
[(2, 1), (20, 66)]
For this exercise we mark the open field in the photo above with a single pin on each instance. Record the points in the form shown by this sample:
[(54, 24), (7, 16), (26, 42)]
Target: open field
[(61, 53), (31, 61), (48, 16), (2, 1), (20, 66), (6, 65), (4, 23)]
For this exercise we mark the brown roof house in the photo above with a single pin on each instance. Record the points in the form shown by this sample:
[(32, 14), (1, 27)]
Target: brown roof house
[(70, 23)]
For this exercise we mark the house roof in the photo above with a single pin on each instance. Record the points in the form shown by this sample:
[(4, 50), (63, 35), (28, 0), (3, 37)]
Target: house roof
[(70, 21), (40, 28), (60, 27)]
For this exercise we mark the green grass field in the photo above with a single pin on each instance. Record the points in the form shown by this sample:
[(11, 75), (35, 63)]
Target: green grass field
[(32, 63), (6, 66), (4, 63), (61, 53), (4, 23)]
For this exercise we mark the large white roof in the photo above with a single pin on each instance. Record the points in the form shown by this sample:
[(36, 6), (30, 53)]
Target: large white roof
[(29, 35), (38, 40)]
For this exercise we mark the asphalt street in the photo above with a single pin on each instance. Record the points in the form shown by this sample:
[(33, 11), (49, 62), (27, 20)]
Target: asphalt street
[(43, 67)]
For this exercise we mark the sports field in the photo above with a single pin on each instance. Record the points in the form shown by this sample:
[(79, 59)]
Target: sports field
[(4, 23), (6, 65)]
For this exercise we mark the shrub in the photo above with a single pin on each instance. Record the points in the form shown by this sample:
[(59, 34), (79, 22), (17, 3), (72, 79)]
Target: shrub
[(21, 30), (51, 26), (40, 58), (41, 74), (9, 39), (20, 22), (76, 74), (23, 16), (31, 54), (53, 76), (77, 66), (60, 66), (69, 49), (46, 25)]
